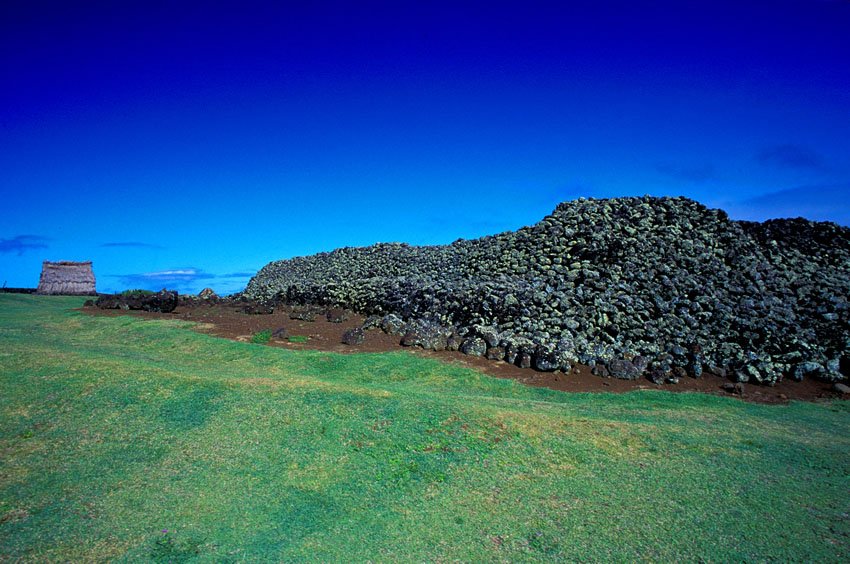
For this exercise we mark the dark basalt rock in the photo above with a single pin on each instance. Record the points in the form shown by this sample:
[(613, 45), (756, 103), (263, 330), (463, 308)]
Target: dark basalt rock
[(108, 302), (474, 346), (301, 314), (392, 324), (511, 353), (656, 376), (207, 294), (257, 308), (624, 370), (164, 301), (426, 335), (371, 322), (546, 360), (354, 336), (736, 388), (336, 315), (807, 369), (599, 281), (495, 353), (696, 369), (489, 334)]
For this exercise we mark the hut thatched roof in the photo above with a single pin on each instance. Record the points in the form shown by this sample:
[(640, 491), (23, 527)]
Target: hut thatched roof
[(66, 278)]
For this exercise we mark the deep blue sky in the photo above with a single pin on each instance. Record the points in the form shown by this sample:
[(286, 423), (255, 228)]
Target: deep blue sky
[(186, 144)]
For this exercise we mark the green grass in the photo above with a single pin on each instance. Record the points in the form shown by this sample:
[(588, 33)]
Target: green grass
[(261, 337), (298, 339), (130, 293), (114, 430)]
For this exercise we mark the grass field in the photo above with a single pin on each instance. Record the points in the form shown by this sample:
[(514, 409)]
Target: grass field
[(141, 440)]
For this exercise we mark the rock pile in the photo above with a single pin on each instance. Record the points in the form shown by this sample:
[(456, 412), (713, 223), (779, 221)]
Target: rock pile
[(633, 287), (164, 301)]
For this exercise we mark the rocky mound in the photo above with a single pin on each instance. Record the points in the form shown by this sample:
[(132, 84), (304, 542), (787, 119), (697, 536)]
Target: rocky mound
[(655, 286)]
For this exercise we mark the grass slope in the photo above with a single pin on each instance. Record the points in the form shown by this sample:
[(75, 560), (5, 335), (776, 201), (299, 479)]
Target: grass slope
[(113, 430)]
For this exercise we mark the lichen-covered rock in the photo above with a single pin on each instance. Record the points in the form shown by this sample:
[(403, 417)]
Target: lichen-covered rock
[(392, 324), (371, 322), (208, 294), (426, 335), (624, 369), (545, 359), (665, 279), (474, 346), (807, 369), (489, 334)]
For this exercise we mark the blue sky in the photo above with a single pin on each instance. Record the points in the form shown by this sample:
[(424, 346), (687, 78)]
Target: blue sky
[(187, 144)]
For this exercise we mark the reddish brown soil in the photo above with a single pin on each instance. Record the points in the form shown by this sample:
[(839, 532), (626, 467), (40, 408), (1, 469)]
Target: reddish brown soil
[(230, 323)]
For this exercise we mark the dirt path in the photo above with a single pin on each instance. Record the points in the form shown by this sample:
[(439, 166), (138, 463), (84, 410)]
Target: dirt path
[(230, 323)]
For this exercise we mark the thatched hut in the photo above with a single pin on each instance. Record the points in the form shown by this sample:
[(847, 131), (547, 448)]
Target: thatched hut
[(66, 278)]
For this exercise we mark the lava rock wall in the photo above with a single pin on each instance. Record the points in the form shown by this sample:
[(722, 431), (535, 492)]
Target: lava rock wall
[(637, 286)]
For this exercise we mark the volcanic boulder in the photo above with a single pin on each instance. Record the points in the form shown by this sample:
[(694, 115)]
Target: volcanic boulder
[(354, 336)]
